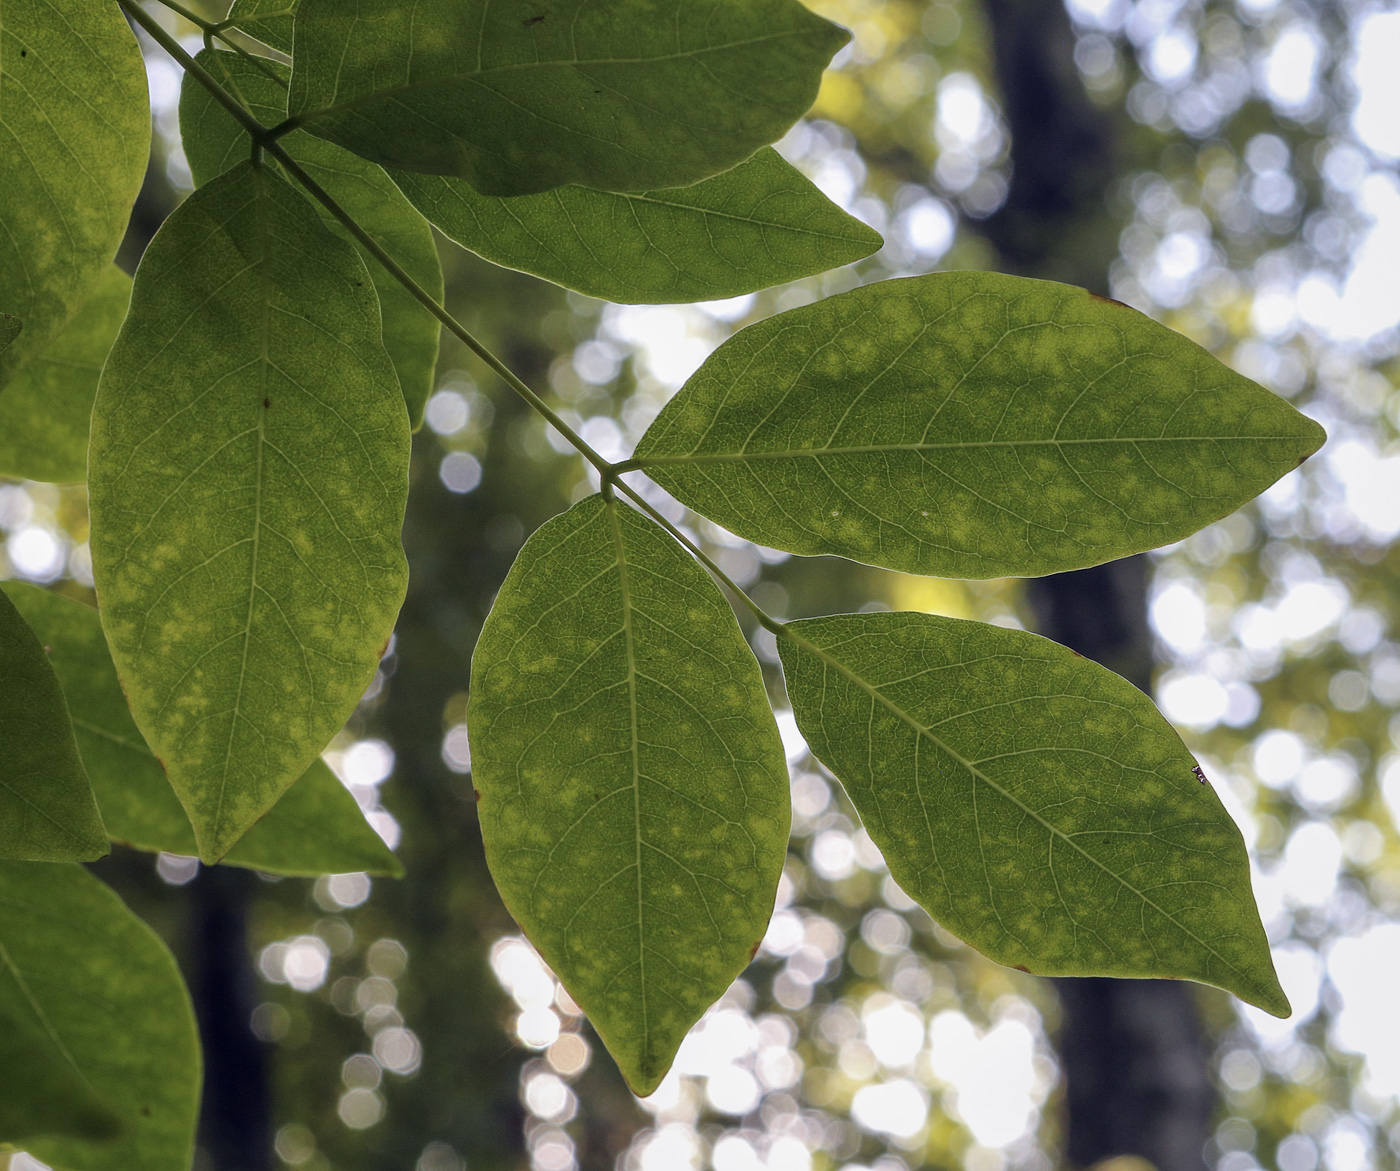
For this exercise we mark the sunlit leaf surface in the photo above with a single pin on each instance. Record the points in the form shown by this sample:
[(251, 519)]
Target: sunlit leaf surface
[(633, 789), (969, 424), (97, 995), (636, 96), (1032, 801), (75, 131), (248, 477), (759, 224), (44, 411), (47, 810), (215, 143), (316, 827)]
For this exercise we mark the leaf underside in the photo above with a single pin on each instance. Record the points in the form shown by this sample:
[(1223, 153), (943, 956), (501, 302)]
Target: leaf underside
[(47, 812), (247, 485), (759, 224), (100, 995), (1033, 802), (214, 143), (638, 95), (633, 789), (268, 20), (315, 828), (75, 132), (44, 411), (969, 424)]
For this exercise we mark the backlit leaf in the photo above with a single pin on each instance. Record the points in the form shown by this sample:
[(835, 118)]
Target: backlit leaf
[(633, 790), (969, 424), (44, 411), (215, 143), (51, 1097), (46, 807), (268, 20), (316, 827), (518, 99), (247, 478), (74, 136), (759, 224), (1033, 802), (97, 993)]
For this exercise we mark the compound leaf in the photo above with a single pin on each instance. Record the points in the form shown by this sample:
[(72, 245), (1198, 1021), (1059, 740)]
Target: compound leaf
[(215, 143), (1032, 801), (75, 132), (634, 96), (47, 812), (94, 992), (759, 224), (969, 424), (315, 828), (632, 786), (268, 20), (247, 477), (45, 410)]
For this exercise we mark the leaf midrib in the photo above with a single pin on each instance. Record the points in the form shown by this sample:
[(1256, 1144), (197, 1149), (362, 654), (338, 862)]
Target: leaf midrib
[(474, 75), (645, 461), (610, 505), (978, 775)]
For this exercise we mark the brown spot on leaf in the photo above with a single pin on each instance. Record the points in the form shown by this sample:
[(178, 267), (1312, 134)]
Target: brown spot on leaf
[(753, 951), (476, 793), (1109, 300), (1019, 968), (267, 404)]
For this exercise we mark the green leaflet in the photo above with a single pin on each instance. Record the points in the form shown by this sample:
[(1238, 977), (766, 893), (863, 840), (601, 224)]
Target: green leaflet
[(969, 424), (44, 412), (100, 995), (316, 827), (215, 143), (635, 95), (50, 1097), (247, 478), (1032, 801), (633, 790), (46, 808), (74, 135), (759, 224), (10, 328), (268, 20)]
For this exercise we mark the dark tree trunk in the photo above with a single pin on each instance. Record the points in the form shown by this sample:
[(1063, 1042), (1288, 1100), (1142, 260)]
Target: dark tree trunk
[(235, 1124), (1133, 1053), (1137, 1079)]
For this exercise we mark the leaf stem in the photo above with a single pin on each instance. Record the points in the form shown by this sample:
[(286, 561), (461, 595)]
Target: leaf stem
[(167, 42), (610, 473), (267, 139), (766, 620), (211, 29)]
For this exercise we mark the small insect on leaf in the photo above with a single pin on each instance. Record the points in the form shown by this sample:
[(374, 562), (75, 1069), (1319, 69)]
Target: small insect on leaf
[(1200, 776)]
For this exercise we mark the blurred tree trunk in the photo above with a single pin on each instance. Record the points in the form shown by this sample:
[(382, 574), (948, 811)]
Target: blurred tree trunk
[(235, 1121), (1133, 1053)]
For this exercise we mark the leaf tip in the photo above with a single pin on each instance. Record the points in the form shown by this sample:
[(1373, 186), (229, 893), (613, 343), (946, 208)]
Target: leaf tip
[(391, 867), (1271, 998)]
